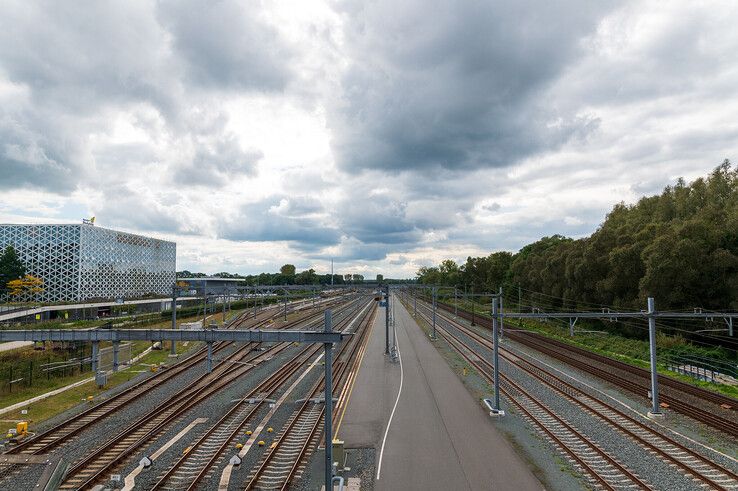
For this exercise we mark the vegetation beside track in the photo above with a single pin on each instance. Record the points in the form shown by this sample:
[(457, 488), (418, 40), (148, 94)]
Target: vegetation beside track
[(625, 349), (26, 363)]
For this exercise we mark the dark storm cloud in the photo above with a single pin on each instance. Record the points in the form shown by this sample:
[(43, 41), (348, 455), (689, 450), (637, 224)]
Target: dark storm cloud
[(65, 68), (225, 45), (377, 220), (215, 163), (447, 84)]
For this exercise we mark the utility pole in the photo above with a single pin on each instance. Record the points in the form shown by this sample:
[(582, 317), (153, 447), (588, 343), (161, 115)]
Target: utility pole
[(495, 356), (386, 322), (456, 304), (415, 302), (502, 325), (328, 350), (331, 271), (95, 355), (433, 336), (204, 308), (655, 407), (472, 302), (285, 305), (173, 346)]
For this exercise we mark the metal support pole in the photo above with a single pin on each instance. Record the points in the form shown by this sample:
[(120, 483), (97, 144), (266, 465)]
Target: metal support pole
[(456, 304), (116, 349), (472, 302), (433, 336), (730, 326), (386, 322), (224, 306), (415, 303), (204, 309), (210, 356), (655, 407), (174, 317), (95, 355), (495, 353), (502, 324), (285, 305), (328, 348), (254, 304), (572, 321)]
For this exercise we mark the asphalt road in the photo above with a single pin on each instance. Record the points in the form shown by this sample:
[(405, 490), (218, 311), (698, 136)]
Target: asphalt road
[(440, 437)]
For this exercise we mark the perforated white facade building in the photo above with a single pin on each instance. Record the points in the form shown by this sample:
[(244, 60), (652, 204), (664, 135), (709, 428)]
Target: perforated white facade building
[(82, 262)]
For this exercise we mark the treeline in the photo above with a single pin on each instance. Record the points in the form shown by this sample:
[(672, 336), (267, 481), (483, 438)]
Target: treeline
[(287, 276), (680, 247)]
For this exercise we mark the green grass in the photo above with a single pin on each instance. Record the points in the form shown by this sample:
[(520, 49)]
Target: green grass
[(51, 406)]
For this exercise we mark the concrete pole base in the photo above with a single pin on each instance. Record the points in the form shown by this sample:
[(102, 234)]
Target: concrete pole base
[(173, 355), (655, 415), (497, 413)]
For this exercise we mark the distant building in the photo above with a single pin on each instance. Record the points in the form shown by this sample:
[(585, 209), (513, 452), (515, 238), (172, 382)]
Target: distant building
[(81, 262), (213, 284)]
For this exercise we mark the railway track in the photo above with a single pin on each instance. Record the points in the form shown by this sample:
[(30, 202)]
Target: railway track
[(208, 450), (285, 460), (59, 434), (91, 469), (48, 440), (702, 470), (638, 381)]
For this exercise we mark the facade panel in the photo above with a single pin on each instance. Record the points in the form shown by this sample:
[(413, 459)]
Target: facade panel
[(81, 262)]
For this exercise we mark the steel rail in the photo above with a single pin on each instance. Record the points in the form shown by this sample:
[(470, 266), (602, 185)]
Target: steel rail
[(185, 400), (605, 407), (273, 387), (339, 369), (462, 350)]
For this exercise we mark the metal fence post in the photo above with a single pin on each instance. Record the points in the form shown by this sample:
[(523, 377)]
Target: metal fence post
[(328, 347), (655, 407)]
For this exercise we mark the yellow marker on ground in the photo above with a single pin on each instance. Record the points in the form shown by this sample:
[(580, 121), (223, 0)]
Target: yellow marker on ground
[(261, 443), (239, 446), (248, 432)]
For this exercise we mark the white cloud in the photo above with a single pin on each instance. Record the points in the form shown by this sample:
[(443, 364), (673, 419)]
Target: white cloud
[(389, 136)]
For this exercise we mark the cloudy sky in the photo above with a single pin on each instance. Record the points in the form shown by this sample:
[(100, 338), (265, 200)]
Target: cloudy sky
[(386, 134)]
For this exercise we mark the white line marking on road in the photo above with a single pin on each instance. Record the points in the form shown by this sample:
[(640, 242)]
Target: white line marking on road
[(389, 423)]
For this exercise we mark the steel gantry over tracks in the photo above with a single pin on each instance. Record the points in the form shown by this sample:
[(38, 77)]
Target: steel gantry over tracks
[(327, 337)]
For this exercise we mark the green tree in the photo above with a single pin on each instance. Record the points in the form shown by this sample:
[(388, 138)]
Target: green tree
[(380, 278), (11, 268), (288, 270)]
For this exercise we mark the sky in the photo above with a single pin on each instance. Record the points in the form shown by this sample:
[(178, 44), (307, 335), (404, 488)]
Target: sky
[(388, 135)]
